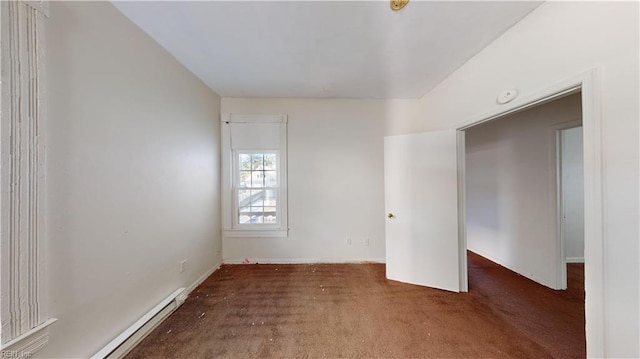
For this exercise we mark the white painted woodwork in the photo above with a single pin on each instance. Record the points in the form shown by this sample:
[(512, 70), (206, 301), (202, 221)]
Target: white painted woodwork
[(421, 197), (31, 341), (22, 198), (324, 49), (572, 194), (462, 215), (252, 133)]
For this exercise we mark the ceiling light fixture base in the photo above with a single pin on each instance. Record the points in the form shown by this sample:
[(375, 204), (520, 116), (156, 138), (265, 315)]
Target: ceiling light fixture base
[(398, 4)]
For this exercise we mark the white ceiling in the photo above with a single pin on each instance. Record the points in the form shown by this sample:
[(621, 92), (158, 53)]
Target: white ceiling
[(324, 49)]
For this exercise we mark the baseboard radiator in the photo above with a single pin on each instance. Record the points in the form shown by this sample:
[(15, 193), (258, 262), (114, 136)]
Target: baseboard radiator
[(123, 343)]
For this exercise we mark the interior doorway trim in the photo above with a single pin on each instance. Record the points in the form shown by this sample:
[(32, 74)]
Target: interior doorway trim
[(588, 84), (556, 183)]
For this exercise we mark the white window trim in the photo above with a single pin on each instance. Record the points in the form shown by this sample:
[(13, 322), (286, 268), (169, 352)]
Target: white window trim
[(230, 228)]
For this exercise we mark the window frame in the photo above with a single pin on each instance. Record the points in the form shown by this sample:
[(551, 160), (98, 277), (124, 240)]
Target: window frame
[(236, 188), (230, 179)]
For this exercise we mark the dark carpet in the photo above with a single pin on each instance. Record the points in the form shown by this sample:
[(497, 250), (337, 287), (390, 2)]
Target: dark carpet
[(352, 311)]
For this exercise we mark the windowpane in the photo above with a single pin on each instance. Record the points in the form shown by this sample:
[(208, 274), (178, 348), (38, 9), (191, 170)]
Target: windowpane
[(270, 198), (270, 179), (245, 162), (245, 179), (257, 183), (244, 215), (257, 161), (270, 161), (257, 219), (257, 179), (243, 196), (257, 198)]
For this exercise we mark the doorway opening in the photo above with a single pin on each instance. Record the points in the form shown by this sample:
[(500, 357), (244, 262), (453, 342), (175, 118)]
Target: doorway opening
[(570, 179), (435, 206), (517, 197), (523, 200)]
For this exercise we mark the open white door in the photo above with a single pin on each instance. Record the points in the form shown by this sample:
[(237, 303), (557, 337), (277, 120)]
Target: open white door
[(421, 200)]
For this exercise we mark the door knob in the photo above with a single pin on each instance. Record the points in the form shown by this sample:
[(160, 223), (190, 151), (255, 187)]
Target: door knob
[(390, 215)]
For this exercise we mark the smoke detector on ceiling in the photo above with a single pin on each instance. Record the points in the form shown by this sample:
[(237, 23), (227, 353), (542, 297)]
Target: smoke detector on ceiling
[(507, 96)]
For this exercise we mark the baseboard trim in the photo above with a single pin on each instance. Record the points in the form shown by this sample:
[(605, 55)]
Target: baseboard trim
[(124, 342), (199, 281), (127, 340), (574, 259), (301, 261)]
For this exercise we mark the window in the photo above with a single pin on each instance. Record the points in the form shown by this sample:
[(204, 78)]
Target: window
[(256, 193), (254, 176)]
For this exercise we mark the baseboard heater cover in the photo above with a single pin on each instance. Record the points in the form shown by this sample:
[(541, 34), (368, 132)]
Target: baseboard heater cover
[(124, 342)]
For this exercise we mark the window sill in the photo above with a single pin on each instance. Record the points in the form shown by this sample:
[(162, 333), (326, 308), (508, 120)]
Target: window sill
[(266, 233)]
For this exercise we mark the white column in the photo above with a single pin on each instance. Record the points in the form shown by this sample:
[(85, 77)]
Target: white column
[(22, 248)]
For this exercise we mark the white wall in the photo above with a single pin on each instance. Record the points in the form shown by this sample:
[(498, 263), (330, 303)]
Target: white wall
[(572, 194), (132, 175), (511, 194), (557, 41), (335, 176)]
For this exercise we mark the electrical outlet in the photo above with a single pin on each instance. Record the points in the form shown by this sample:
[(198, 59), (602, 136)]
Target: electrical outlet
[(183, 265), (348, 241)]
